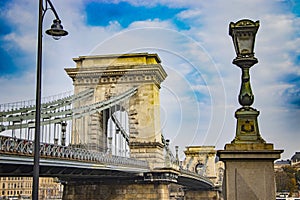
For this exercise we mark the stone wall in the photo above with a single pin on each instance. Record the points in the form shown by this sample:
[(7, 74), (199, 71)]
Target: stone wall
[(201, 195), (141, 191)]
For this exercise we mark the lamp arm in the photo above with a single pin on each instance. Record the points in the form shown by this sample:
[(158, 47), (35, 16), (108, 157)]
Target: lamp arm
[(53, 9), (44, 10)]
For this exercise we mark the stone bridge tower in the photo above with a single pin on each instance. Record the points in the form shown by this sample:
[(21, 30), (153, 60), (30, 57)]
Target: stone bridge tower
[(202, 160), (108, 76)]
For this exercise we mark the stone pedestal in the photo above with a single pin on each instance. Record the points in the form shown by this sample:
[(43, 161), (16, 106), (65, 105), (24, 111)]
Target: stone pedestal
[(249, 171)]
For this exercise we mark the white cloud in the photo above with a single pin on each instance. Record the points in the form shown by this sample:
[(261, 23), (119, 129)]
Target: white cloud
[(188, 14), (156, 23), (22, 88)]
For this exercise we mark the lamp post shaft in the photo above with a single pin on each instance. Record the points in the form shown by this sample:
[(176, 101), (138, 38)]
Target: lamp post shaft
[(246, 97), (56, 31), (36, 168)]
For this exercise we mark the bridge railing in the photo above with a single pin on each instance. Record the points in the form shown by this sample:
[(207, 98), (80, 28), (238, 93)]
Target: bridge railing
[(9, 145)]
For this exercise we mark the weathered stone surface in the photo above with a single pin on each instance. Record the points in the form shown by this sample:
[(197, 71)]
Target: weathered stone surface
[(201, 159), (249, 171), (249, 146), (143, 191), (201, 195)]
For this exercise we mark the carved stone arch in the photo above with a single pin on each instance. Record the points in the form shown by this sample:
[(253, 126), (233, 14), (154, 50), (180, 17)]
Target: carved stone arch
[(201, 154), (199, 167)]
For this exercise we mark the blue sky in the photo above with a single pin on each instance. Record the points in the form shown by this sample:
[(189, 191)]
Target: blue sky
[(125, 14), (199, 97)]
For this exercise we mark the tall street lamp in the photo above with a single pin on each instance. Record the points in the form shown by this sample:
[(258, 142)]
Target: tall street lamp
[(56, 31), (248, 159), (243, 35)]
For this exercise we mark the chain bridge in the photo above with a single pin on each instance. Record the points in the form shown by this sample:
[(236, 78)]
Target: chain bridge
[(104, 140)]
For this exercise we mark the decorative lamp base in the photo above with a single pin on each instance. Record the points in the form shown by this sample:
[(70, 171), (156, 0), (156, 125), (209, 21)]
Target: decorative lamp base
[(247, 126)]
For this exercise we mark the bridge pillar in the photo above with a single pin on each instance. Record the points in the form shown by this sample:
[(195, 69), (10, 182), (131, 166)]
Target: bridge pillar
[(202, 160), (118, 185), (118, 191), (145, 134), (110, 75), (202, 195)]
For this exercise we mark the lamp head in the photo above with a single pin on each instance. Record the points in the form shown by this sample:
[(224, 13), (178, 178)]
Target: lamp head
[(56, 30), (243, 35)]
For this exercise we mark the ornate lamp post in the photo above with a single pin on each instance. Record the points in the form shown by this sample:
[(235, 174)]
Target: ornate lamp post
[(243, 35), (249, 160), (56, 31)]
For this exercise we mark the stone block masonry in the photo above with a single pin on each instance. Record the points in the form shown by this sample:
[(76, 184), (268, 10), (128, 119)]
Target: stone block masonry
[(137, 191), (201, 195)]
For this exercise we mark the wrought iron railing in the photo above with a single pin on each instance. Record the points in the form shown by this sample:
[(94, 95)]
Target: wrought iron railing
[(58, 110), (9, 145)]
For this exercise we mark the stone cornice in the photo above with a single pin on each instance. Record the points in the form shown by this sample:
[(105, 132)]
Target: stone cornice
[(249, 154), (121, 74), (133, 68), (138, 145), (117, 56)]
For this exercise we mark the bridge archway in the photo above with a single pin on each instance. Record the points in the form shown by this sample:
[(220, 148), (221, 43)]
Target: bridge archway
[(118, 132), (109, 76)]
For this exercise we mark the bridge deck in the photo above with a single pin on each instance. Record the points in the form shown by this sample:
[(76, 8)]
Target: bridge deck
[(16, 165)]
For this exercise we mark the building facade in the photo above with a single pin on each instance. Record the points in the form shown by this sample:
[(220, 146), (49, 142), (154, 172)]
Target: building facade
[(21, 188)]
